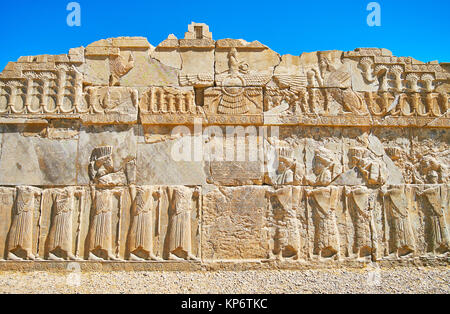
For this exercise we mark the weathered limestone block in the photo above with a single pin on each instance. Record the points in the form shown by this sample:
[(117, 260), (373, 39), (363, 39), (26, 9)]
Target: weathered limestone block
[(7, 196), (28, 158), (121, 140), (234, 223), (170, 161), (209, 152), (111, 104)]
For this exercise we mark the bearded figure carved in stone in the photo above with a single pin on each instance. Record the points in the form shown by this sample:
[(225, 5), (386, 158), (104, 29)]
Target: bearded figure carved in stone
[(140, 238), (101, 168), (372, 169), (432, 171), (435, 223), (101, 171), (60, 236), (397, 207), (100, 242), (289, 171), (361, 202), (181, 202), (323, 202), (286, 235), (233, 97), (325, 168), (236, 66), (21, 232), (403, 160), (326, 75)]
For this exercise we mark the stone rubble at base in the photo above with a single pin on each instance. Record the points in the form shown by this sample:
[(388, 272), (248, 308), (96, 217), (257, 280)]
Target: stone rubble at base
[(87, 169)]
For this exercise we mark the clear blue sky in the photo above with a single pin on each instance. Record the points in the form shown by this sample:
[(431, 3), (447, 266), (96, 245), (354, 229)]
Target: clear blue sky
[(409, 27)]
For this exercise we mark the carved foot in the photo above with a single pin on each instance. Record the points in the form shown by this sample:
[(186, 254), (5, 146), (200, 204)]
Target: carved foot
[(155, 258), (135, 258), (173, 257), (30, 257), (92, 257), (53, 257), (111, 257), (72, 257), (191, 257), (13, 257)]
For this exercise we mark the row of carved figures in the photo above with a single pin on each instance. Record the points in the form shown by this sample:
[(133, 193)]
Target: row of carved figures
[(359, 222), (313, 217), (63, 93), (60, 93), (319, 101), (393, 78), (63, 239)]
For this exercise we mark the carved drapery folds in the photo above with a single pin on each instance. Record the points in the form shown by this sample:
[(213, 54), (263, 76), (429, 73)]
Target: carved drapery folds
[(355, 167)]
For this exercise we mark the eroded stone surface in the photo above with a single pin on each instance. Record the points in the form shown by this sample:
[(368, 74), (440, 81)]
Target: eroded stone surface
[(222, 152)]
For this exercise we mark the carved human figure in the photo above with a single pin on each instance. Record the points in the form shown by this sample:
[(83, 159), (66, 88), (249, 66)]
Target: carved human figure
[(327, 75), (435, 223), (140, 237), (372, 169), (235, 66), (397, 208), (101, 226), (286, 240), (284, 173), (101, 171), (325, 168), (361, 202), (21, 231), (432, 171), (60, 236), (323, 201), (289, 171), (403, 161), (181, 201), (101, 168)]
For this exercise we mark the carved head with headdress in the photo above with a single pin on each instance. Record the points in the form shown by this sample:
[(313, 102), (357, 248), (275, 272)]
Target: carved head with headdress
[(101, 162), (356, 154), (285, 158)]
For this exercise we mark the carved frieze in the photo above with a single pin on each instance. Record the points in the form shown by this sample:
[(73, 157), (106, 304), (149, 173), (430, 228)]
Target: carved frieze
[(125, 152)]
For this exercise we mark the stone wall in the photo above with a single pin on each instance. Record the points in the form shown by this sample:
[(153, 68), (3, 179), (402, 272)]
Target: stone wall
[(327, 156)]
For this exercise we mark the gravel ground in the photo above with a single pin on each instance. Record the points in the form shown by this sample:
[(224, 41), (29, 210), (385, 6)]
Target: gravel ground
[(398, 280)]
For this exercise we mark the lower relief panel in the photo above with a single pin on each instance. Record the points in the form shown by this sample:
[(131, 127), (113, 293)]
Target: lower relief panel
[(215, 224)]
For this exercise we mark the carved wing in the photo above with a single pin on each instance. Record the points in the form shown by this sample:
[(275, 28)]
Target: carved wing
[(196, 79), (339, 79), (291, 80)]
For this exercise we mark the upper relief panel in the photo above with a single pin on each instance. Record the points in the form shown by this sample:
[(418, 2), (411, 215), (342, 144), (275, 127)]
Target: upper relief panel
[(192, 56), (227, 82)]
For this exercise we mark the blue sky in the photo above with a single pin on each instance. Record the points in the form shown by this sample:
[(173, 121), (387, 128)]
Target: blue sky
[(408, 27)]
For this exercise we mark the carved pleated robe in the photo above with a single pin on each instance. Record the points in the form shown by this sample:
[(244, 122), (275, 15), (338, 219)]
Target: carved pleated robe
[(101, 229), (287, 235), (324, 216), (61, 231), (438, 229), (397, 208), (140, 236), (21, 232), (362, 218), (180, 219)]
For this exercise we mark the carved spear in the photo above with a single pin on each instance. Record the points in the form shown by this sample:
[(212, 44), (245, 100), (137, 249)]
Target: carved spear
[(80, 194)]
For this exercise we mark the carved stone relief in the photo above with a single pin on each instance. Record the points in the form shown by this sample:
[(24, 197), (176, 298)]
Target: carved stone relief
[(322, 158)]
